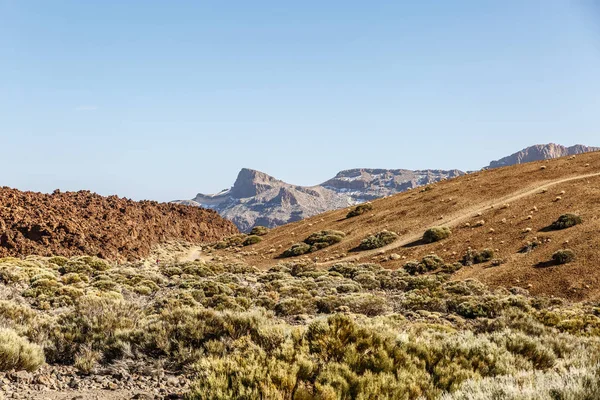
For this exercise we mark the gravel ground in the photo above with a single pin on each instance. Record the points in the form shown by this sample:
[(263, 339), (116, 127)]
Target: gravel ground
[(65, 383)]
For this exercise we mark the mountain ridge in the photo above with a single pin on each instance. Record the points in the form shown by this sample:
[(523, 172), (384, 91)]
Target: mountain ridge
[(257, 198)]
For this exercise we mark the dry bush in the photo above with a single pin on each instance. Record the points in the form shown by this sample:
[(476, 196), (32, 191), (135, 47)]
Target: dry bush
[(566, 221), (436, 234), (360, 210), (377, 240), (18, 353)]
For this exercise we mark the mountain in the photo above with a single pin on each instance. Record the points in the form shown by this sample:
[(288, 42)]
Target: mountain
[(259, 199), (509, 211), (84, 223), (541, 152)]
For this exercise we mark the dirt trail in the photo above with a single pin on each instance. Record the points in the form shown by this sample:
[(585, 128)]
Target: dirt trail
[(464, 215)]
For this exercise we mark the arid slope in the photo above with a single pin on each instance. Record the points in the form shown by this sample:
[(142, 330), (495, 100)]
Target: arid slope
[(516, 204)]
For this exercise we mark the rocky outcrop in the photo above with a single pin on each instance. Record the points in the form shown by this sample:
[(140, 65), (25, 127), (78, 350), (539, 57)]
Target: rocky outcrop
[(259, 199), (541, 152), (77, 223)]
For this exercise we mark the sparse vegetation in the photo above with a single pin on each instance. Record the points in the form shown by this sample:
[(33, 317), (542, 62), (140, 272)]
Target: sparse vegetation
[(316, 241), (360, 210), (259, 230), (566, 221), (477, 257), (297, 249), (563, 256), (436, 234), (377, 240), (252, 239)]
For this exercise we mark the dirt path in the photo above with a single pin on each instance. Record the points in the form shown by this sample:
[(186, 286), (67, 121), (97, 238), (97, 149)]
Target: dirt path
[(193, 254), (461, 217)]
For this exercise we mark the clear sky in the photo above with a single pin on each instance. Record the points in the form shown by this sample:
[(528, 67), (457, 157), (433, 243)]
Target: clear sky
[(164, 99)]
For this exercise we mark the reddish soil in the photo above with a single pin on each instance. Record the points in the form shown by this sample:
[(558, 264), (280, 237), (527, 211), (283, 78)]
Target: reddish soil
[(84, 223)]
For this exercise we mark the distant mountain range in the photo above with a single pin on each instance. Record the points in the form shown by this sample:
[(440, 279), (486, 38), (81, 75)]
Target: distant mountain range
[(541, 152), (259, 199)]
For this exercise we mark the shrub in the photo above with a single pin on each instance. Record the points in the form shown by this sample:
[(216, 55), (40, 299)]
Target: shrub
[(324, 238), (566, 221), (477, 257), (377, 240), (252, 239), (297, 249), (529, 246), (436, 234), (563, 256), (314, 242), (259, 230), (231, 241), (359, 210), (17, 353), (429, 263)]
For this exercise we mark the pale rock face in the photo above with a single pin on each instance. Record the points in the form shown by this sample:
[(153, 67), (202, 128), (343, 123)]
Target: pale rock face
[(541, 152), (259, 199)]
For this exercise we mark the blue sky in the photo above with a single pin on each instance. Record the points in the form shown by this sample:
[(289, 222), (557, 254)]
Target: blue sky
[(164, 99)]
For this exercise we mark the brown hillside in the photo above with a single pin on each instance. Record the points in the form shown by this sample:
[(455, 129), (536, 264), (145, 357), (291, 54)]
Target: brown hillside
[(516, 203), (108, 227)]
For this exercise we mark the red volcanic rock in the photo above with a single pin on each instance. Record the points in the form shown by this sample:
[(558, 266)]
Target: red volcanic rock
[(77, 223)]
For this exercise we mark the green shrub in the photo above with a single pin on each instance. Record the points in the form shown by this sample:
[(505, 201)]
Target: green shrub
[(314, 242), (377, 240), (477, 257), (259, 231), (252, 239), (563, 256), (436, 234), (359, 210), (429, 263), (324, 238), (566, 221), (231, 241), (297, 249), (17, 353)]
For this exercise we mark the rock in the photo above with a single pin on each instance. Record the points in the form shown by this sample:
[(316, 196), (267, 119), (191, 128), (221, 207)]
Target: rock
[(21, 376), (61, 223)]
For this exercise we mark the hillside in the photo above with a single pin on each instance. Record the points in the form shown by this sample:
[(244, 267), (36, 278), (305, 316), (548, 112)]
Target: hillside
[(84, 223), (259, 199), (516, 204)]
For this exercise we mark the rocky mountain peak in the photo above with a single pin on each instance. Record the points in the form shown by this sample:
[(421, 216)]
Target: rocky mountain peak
[(250, 183)]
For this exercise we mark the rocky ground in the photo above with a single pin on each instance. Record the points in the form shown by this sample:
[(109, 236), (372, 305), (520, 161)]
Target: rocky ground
[(84, 223), (63, 382)]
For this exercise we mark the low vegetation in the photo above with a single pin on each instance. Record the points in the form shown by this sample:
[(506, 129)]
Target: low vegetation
[(436, 234), (566, 221), (377, 240), (563, 256), (259, 230), (477, 257), (360, 210), (251, 239), (297, 331), (316, 241)]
